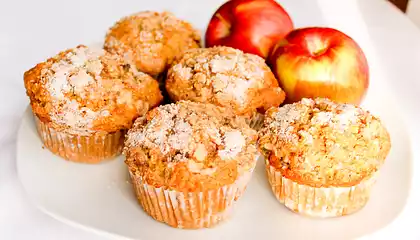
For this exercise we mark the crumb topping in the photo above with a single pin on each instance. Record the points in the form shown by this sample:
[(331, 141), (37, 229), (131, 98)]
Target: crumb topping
[(182, 128), (151, 40), (224, 76), (320, 142), (71, 75), (82, 90), (200, 137), (233, 144)]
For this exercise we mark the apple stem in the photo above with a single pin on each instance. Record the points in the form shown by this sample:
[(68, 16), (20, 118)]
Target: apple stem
[(319, 51)]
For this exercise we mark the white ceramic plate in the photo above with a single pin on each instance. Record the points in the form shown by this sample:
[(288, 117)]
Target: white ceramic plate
[(99, 197)]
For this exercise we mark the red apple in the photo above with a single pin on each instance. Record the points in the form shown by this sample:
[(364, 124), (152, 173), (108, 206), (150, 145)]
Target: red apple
[(320, 62), (253, 26)]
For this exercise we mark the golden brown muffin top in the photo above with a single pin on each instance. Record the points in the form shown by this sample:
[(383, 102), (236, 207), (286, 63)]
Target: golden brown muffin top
[(322, 143), (151, 40), (84, 90), (226, 77), (190, 146)]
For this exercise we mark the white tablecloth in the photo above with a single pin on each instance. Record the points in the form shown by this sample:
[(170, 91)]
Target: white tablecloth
[(31, 31)]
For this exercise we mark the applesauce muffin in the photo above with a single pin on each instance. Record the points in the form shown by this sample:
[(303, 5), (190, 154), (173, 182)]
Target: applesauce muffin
[(151, 40), (84, 99), (189, 162), (225, 77), (322, 157)]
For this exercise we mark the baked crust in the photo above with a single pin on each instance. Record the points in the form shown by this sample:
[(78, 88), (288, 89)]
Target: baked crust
[(189, 146), (151, 40), (324, 144), (226, 77), (86, 90)]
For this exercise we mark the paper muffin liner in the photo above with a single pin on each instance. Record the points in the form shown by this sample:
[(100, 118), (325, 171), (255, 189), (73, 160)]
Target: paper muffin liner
[(256, 121), (84, 149), (319, 202), (189, 210)]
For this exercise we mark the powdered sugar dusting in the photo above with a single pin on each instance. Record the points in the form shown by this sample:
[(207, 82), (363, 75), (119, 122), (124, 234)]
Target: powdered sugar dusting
[(163, 132), (220, 65), (79, 68), (58, 82), (290, 120), (231, 87), (151, 40), (234, 142), (283, 120), (73, 72), (322, 118), (79, 118), (229, 73), (183, 71), (182, 133), (188, 132), (80, 80), (335, 144), (287, 114), (95, 67), (348, 116), (86, 90)]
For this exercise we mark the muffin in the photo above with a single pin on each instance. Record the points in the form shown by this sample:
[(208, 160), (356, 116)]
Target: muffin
[(189, 162), (322, 157), (151, 40), (226, 77), (84, 99)]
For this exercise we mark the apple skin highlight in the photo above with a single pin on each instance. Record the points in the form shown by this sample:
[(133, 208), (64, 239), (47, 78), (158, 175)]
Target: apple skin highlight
[(320, 62), (253, 26)]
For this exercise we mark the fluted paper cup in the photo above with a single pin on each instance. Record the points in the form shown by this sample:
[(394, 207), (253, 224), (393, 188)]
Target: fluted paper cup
[(319, 201), (191, 210), (83, 149)]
